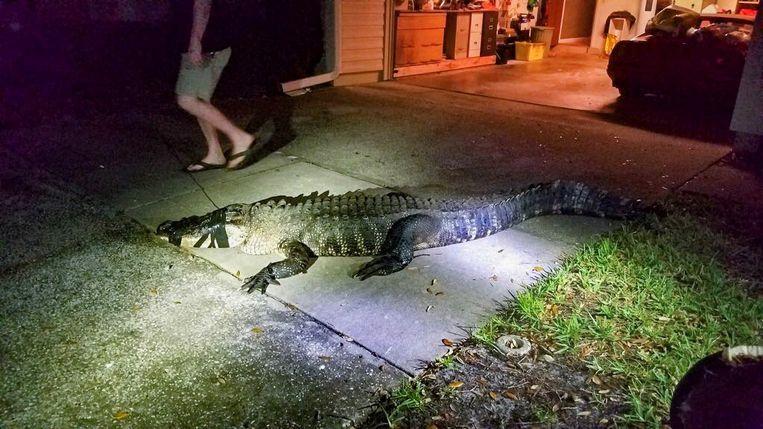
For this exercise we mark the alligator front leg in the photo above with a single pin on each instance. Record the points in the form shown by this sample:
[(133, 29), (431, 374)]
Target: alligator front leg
[(299, 258), (397, 251)]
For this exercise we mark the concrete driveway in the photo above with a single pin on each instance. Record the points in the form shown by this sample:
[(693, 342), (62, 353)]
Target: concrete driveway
[(570, 79), (564, 79), (423, 141), (426, 142)]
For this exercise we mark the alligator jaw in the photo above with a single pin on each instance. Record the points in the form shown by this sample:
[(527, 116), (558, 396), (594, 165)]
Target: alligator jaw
[(196, 231)]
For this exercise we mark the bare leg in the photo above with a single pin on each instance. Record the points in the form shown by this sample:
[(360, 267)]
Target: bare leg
[(206, 112), (214, 154)]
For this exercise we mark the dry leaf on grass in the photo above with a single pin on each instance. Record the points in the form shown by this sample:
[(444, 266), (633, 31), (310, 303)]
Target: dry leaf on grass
[(511, 395), (455, 384), (121, 415)]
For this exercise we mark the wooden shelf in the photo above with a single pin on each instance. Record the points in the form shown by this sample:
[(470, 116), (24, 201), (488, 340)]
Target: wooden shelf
[(444, 65)]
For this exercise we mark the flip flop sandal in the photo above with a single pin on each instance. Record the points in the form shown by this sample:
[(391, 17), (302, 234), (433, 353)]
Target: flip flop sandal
[(205, 166), (247, 154)]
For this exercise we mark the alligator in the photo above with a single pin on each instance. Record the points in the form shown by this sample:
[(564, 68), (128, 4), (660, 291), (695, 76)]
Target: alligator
[(390, 227)]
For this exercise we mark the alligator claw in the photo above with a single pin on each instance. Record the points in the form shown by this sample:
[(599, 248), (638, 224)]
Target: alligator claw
[(259, 281), (380, 266)]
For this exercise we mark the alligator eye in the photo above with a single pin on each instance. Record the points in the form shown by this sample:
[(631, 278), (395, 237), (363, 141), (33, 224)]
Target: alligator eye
[(165, 228)]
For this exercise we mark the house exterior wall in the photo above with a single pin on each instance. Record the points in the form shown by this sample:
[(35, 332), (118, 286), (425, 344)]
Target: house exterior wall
[(362, 41)]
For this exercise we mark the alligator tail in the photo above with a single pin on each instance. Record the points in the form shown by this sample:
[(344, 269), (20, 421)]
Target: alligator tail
[(560, 197), (567, 197)]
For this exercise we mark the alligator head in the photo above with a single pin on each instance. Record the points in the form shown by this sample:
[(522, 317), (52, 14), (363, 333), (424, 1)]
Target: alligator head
[(221, 228)]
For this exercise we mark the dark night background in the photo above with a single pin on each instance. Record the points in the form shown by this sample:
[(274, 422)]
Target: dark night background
[(67, 56)]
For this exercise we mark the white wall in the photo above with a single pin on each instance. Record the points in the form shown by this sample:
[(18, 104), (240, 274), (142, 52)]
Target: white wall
[(603, 9), (749, 105)]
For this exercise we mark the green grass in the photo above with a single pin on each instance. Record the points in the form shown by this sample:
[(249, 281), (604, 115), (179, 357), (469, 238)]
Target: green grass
[(410, 397), (639, 306), (543, 414), (447, 362)]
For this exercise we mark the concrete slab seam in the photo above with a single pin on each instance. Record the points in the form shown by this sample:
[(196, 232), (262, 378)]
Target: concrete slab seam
[(340, 334), (191, 176), (308, 315), (678, 187)]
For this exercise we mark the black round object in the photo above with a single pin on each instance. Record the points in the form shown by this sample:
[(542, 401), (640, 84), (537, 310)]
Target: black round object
[(720, 392)]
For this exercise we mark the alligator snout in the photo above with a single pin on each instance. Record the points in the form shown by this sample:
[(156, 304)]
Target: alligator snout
[(167, 230)]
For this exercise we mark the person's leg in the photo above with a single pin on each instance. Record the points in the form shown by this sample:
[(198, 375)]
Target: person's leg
[(214, 154), (194, 89), (208, 114)]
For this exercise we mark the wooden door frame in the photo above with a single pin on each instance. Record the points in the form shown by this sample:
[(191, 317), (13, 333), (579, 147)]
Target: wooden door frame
[(389, 40), (555, 19)]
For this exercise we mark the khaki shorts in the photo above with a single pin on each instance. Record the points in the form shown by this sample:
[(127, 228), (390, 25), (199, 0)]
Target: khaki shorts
[(200, 81)]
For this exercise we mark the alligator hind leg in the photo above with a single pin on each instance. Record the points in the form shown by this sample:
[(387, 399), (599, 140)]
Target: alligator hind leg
[(299, 258), (397, 251)]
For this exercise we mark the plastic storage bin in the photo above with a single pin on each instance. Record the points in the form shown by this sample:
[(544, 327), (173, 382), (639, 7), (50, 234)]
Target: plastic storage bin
[(542, 35), (529, 51)]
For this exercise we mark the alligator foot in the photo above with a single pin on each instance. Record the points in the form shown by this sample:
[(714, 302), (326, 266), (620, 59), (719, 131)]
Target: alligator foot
[(260, 281), (381, 266)]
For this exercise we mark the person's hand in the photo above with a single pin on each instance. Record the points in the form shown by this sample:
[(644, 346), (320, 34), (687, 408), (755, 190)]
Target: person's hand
[(194, 53)]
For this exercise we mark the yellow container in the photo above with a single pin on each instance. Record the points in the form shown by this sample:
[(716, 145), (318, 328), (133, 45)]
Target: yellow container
[(529, 51)]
